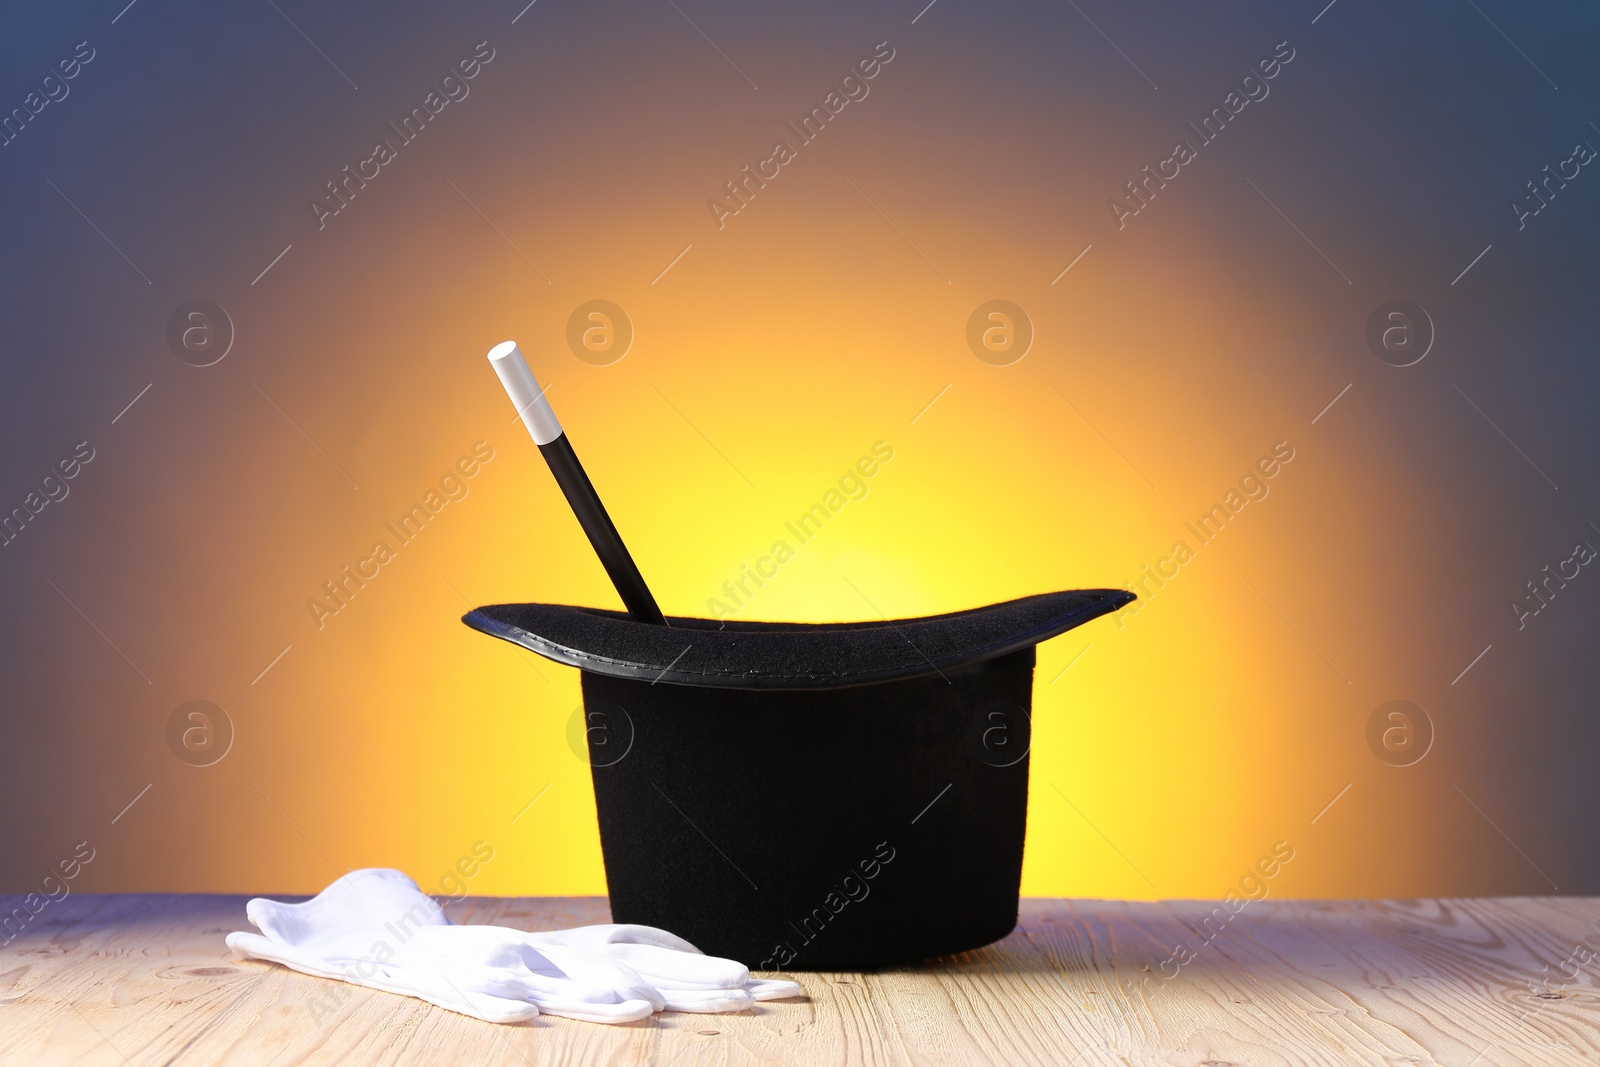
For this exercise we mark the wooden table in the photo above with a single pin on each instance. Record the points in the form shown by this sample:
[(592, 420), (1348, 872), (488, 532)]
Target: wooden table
[(1466, 983)]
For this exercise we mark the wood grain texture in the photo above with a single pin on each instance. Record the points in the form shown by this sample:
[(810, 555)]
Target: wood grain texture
[(146, 980)]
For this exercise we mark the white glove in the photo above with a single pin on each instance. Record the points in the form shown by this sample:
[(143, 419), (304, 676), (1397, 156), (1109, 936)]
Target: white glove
[(375, 928)]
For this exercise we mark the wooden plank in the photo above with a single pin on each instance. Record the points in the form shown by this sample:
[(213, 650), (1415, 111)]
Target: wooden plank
[(141, 980)]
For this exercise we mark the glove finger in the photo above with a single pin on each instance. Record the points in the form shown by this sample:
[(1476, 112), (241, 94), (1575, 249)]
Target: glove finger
[(772, 988), (625, 1012), (442, 947), (447, 993), (588, 970), (613, 934), (536, 988), (707, 1001), (681, 970)]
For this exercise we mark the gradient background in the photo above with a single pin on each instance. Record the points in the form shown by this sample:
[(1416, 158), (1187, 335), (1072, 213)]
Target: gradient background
[(1224, 716)]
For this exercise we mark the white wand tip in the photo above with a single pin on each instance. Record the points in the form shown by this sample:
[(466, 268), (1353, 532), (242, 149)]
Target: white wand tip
[(524, 391)]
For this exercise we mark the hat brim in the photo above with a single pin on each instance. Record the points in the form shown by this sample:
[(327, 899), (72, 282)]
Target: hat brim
[(775, 655)]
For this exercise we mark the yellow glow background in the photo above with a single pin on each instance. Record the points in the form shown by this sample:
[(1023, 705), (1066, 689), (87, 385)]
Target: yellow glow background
[(1182, 743)]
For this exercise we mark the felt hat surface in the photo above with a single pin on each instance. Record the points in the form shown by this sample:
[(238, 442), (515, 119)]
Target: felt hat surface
[(889, 760), (765, 655)]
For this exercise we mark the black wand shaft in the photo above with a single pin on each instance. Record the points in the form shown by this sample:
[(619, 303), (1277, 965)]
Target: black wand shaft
[(534, 411), (602, 532)]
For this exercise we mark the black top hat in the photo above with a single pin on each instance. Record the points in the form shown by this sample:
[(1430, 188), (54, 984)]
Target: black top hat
[(795, 795), (809, 796)]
